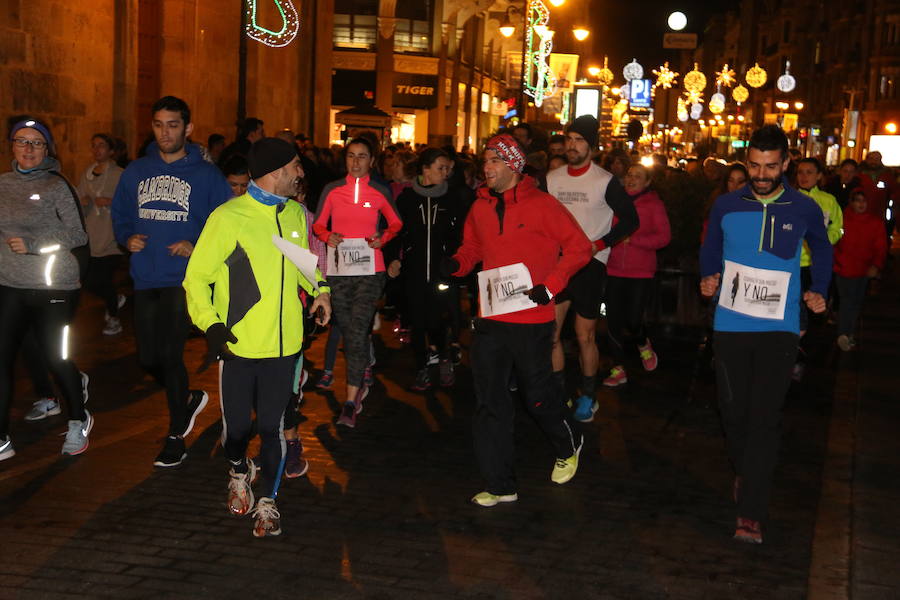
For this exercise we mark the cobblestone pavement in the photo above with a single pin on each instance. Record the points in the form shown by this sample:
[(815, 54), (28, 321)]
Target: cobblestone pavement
[(384, 511)]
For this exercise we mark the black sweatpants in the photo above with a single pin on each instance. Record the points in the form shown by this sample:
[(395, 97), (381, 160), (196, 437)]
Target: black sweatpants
[(626, 299), (100, 281), (431, 312), (48, 312), (267, 382), (753, 373), (161, 327), (497, 349), (354, 300)]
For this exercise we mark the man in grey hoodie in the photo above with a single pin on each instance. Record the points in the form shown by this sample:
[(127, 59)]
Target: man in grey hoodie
[(40, 224)]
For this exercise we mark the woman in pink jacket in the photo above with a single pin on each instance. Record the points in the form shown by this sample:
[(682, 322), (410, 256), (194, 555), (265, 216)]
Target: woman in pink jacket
[(630, 269)]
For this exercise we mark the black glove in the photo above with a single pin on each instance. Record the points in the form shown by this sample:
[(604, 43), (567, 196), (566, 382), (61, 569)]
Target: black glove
[(540, 294), (216, 336), (449, 266)]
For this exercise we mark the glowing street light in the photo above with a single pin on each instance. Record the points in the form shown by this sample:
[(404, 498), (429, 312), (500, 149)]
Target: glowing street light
[(557, 3), (507, 29), (677, 21), (799, 105), (593, 71), (581, 33), (891, 128)]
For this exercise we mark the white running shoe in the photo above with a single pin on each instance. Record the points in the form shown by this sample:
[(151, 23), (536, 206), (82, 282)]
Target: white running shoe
[(43, 408)]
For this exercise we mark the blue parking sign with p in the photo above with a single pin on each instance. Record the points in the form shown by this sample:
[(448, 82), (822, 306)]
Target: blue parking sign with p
[(640, 93)]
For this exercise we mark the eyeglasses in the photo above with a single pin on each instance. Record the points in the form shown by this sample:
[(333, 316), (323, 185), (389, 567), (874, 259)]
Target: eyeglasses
[(22, 142)]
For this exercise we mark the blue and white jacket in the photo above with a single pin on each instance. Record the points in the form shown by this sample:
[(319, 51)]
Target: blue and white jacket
[(744, 230)]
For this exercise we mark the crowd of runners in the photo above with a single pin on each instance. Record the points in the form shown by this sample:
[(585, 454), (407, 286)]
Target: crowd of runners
[(530, 243)]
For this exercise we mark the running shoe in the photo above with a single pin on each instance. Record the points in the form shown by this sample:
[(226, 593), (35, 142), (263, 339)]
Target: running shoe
[(585, 407), (197, 400), (564, 468), (348, 415), (423, 381), (43, 408), (77, 436), (648, 357), (6, 449), (433, 359), (748, 531), (487, 499), (172, 454), (447, 376), (368, 379), (120, 300), (240, 492), (325, 380), (616, 377), (268, 519), (113, 326), (294, 463)]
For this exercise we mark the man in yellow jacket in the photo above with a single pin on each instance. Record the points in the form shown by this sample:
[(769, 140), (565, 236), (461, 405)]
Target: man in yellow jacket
[(253, 318)]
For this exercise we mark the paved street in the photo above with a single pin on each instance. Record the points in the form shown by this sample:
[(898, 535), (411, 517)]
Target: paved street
[(384, 512)]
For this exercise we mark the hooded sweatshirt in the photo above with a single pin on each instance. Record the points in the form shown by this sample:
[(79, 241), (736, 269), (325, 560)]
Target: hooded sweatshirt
[(530, 227), (40, 208), (635, 256), (167, 202), (863, 245)]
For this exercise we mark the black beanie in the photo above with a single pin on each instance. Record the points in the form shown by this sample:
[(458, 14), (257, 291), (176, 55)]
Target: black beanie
[(267, 155), (587, 126)]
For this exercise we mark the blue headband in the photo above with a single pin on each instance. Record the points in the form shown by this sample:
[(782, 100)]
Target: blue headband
[(32, 124)]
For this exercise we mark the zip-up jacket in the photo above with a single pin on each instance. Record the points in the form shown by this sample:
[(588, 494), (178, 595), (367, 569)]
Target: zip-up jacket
[(433, 218), (167, 202), (864, 244), (531, 227), (353, 205), (832, 216), (256, 286), (41, 208), (746, 231), (636, 256)]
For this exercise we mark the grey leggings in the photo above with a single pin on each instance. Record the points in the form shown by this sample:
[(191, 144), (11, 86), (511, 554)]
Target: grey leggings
[(353, 300)]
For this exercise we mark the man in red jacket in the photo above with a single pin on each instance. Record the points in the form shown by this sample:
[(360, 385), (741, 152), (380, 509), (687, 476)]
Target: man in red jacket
[(529, 246)]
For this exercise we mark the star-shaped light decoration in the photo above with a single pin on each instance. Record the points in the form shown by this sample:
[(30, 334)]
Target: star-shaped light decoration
[(726, 76), (665, 77)]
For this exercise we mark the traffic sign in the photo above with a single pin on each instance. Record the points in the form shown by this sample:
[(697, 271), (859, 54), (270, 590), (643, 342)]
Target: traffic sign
[(681, 41)]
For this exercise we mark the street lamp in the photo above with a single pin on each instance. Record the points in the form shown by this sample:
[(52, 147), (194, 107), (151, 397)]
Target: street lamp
[(581, 34), (557, 3), (594, 71), (891, 128), (677, 21), (507, 28), (798, 105)]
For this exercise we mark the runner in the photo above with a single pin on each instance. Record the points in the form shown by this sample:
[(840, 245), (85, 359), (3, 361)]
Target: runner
[(254, 319), (753, 245)]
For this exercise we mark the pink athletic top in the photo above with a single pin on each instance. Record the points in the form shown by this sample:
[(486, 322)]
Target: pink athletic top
[(353, 207)]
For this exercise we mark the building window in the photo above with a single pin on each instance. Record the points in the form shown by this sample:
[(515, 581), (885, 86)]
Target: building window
[(354, 31), (411, 36), (887, 88)]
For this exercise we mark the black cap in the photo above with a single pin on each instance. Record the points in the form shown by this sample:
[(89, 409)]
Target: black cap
[(588, 127), (267, 155)]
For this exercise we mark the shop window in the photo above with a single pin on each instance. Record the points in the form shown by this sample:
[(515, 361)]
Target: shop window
[(354, 31)]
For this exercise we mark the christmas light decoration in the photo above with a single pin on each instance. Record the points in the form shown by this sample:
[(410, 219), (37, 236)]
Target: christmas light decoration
[(694, 81), (740, 94), (605, 76), (682, 110), (538, 81), (665, 77), (786, 83), (694, 97), (756, 76), (725, 77), (633, 70), (290, 25)]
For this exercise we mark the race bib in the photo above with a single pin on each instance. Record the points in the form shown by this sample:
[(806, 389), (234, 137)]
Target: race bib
[(353, 256), (502, 290), (760, 293)]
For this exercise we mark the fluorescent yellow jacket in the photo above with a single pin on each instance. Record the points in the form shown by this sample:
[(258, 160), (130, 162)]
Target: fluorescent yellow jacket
[(834, 219), (255, 289)]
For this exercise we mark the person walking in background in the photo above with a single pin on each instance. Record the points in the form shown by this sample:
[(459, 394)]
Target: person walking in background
[(160, 206), (40, 224), (630, 269), (858, 257), (96, 190)]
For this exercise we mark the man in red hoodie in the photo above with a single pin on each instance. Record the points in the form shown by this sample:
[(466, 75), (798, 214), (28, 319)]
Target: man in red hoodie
[(858, 257), (513, 223)]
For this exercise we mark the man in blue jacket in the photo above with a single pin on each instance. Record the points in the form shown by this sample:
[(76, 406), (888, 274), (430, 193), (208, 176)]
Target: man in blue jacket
[(753, 244), (159, 208)]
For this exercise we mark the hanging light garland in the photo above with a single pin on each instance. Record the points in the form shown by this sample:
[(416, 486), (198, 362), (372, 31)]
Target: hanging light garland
[(682, 110), (665, 77), (740, 94), (290, 25), (756, 76), (786, 83), (694, 80), (536, 67), (633, 70), (605, 76), (726, 76), (716, 103)]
